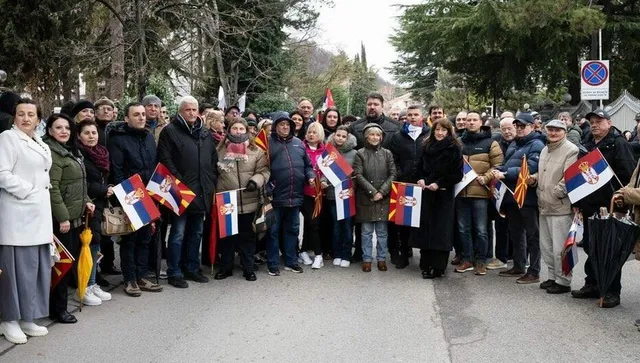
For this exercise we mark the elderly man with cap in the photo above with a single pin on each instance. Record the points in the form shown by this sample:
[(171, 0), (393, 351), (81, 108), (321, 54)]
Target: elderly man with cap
[(230, 114), (84, 110), (290, 170), (523, 222), (556, 213), (617, 151), (152, 105), (104, 115)]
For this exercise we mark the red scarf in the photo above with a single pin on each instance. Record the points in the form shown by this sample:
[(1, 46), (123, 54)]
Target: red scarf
[(99, 155)]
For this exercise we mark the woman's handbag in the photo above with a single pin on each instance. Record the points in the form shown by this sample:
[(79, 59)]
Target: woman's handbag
[(115, 222), (264, 216)]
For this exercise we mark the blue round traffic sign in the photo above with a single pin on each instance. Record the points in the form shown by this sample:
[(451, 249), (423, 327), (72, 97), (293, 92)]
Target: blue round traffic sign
[(595, 73)]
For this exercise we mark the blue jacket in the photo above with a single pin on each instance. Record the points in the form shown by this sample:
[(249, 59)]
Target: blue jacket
[(132, 152), (531, 146), (290, 169)]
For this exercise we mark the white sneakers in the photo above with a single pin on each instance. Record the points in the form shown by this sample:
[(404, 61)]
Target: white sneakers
[(337, 261), (89, 298), (345, 263), (33, 330), (317, 262), (12, 332), (97, 291), (304, 256)]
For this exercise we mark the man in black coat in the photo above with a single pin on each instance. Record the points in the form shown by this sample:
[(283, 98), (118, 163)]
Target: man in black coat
[(406, 147), (8, 101), (617, 151), (186, 148), (375, 103)]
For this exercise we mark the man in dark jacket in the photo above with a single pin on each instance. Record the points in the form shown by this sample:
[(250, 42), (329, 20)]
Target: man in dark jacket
[(290, 170), (406, 147), (104, 115), (584, 126), (617, 151), (8, 101), (523, 222), (133, 151), (375, 102), (186, 148)]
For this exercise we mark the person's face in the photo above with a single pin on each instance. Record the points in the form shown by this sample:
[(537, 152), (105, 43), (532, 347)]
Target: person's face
[(522, 129), (508, 130), (374, 138), (537, 124), (441, 133), (374, 108), (165, 113), (555, 134), (298, 120), (331, 119), (26, 118), (340, 137), (474, 122), (403, 119), (152, 111), (599, 126), (238, 129), (105, 113), (566, 119), (232, 114), (89, 136), (218, 126), (268, 128), (283, 128), (436, 113), (461, 121), (136, 118), (395, 115), (253, 130), (306, 108), (115, 114), (414, 116), (86, 114), (189, 112), (627, 135), (60, 130), (312, 136)]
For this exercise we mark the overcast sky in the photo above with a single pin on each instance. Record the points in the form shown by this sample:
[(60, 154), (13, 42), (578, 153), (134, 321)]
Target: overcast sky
[(349, 22)]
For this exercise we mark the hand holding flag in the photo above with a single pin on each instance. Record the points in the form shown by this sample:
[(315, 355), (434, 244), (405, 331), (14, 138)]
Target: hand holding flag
[(169, 191)]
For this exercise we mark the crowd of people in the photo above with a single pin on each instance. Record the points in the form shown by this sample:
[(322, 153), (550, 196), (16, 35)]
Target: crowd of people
[(54, 171)]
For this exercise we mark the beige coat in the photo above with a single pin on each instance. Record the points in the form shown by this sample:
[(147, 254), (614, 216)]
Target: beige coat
[(631, 195), (236, 175), (555, 158)]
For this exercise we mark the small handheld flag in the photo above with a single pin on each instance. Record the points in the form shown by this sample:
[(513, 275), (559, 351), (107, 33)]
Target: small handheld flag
[(345, 200), (522, 186), (587, 175), (227, 204), (468, 175), (498, 191), (328, 100), (262, 140), (63, 266), (318, 198), (569, 252), (393, 201), (136, 202), (408, 205), (333, 165), (169, 191)]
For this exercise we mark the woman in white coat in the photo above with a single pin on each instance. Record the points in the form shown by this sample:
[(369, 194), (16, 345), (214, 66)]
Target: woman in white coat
[(26, 228)]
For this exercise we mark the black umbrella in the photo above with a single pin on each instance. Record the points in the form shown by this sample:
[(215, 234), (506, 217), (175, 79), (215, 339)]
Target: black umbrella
[(611, 240)]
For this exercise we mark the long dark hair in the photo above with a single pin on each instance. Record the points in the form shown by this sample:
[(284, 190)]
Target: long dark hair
[(324, 118), (445, 124), (72, 144)]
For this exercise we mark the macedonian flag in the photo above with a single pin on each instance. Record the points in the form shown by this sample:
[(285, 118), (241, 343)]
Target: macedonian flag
[(521, 187), (62, 267)]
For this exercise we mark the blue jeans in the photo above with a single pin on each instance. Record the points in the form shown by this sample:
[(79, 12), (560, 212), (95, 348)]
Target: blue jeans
[(289, 219), (186, 229), (380, 228), (342, 234), (95, 248), (472, 226)]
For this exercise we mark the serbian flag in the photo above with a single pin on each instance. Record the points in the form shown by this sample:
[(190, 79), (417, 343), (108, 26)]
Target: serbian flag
[(333, 165), (522, 186), (227, 204), (408, 205), (587, 175), (393, 201), (328, 100), (345, 200), (62, 267), (468, 175), (498, 191), (136, 202), (569, 252), (169, 191)]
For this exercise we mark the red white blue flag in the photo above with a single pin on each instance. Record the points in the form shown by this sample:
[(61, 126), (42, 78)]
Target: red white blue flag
[(333, 165), (136, 202), (587, 175), (345, 200), (227, 206), (498, 191), (169, 191), (408, 204), (468, 175), (569, 252), (328, 100)]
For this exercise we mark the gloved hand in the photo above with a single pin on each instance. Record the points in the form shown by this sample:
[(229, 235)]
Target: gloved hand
[(252, 186)]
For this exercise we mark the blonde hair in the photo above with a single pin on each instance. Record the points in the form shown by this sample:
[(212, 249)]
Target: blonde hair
[(212, 117), (317, 127)]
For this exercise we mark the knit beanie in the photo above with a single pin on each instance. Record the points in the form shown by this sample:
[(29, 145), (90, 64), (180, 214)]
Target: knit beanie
[(371, 127), (81, 105), (238, 120), (151, 100), (104, 102)]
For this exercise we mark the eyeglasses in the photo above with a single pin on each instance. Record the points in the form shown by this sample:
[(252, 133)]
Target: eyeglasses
[(521, 126)]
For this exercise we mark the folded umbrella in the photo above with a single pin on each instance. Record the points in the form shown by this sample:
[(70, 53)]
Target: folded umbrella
[(85, 261)]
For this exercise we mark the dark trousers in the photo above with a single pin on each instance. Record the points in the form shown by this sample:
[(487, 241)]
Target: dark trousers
[(108, 253), (134, 254), (404, 234), (311, 232), (457, 241), (357, 245), (244, 242), (502, 239), (589, 270), (327, 226), (524, 234), (59, 295), (206, 234)]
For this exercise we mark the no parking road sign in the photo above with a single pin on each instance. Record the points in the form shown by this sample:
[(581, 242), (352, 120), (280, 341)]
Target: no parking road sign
[(594, 80)]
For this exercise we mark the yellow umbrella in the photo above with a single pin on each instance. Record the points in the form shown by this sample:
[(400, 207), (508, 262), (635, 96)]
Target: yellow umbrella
[(85, 261)]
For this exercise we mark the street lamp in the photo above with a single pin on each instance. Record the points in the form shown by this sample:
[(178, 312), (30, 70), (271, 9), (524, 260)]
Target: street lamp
[(3, 76)]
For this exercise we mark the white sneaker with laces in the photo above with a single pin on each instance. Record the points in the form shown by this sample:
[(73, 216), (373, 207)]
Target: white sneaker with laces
[(305, 258), (318, 262), (345, 263), (99, 293), (12, 332), (33, 330), (89, 298), (337, 261)]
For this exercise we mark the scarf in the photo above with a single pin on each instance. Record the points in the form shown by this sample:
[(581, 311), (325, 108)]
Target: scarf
[(99, 155), (414, 132), (217, 136), (437, 147), (236, 151)]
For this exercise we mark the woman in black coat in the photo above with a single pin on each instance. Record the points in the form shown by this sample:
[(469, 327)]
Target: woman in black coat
[(439, 169)]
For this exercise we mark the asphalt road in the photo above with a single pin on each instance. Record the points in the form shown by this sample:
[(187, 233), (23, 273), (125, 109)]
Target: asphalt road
[(345, 315)]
